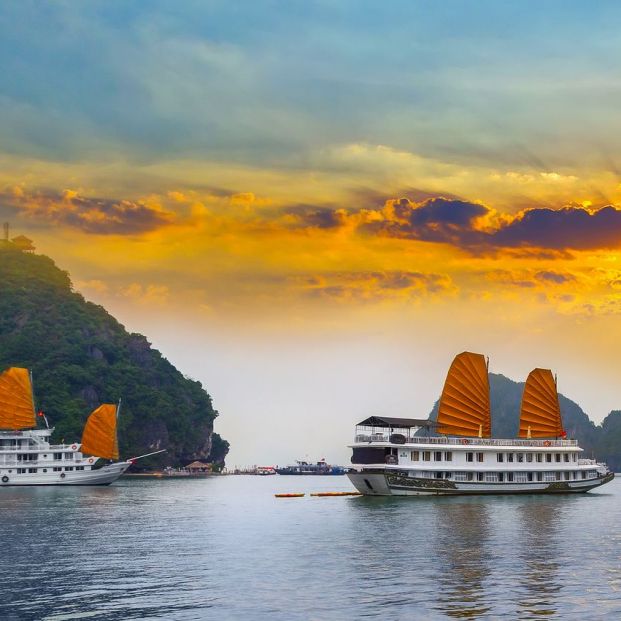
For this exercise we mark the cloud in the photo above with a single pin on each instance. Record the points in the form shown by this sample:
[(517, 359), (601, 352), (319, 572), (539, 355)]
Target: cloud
[(146, 294), (474, 226), (531, 279), (102, 216), (571, 227), (373, 286)]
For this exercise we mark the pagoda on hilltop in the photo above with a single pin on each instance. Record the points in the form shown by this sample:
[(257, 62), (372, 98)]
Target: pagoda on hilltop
[(21, 242)]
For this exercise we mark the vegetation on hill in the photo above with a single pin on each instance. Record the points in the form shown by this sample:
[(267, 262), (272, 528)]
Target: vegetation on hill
[(81, 356), (602, 442)]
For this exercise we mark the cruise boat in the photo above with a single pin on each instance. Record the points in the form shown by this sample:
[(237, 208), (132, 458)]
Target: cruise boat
[(27, 456), (456, 454)]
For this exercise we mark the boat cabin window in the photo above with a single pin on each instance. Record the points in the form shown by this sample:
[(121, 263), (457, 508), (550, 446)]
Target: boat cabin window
[(469, 476), (415, 456), (479, 457), (501, 477), (58, 456), (469, 456), (510, 476), (549, 458), (509, 456), (448, 456), (69, 468), (426, 455), (540, 476), (33, 470), (529, 457), (68, 455), (500, 457), (566, 457), (557, 457), (539, 457), (479, 476), (520, 457), (57, 469), (437, 456), (369, 455)]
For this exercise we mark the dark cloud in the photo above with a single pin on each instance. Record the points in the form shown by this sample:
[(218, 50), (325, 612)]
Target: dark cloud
[(101, 216), (478, 229), (570, 227), (437, 219), (556, 278), (322, 217)]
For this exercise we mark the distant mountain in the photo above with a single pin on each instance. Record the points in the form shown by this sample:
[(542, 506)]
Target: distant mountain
[(602, 442), (81, 356)]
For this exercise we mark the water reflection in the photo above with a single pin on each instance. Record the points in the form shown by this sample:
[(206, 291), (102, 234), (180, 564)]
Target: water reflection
[(462, 534), (537, 526)]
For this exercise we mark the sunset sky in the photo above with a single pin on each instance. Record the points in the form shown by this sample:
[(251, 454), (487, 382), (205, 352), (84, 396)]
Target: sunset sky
[(312, 207)]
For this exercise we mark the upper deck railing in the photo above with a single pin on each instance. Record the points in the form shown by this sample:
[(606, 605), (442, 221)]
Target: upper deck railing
[(385, 438)]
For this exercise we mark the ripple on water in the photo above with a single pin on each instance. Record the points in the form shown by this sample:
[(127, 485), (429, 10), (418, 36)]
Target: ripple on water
[(225, 548)]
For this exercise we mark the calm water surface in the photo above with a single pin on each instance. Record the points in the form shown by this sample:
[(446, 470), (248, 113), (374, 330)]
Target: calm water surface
[(225, 548)]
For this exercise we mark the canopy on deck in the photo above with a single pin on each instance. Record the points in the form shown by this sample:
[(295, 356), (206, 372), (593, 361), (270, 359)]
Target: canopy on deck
[(396, 423)]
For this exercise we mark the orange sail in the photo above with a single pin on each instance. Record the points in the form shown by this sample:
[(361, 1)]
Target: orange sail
[(99, 437), (464, 405), (16, 404), (540, 415)]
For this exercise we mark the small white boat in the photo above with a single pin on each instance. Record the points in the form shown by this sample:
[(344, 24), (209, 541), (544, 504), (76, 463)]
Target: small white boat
[(28, 458), (400, 457)]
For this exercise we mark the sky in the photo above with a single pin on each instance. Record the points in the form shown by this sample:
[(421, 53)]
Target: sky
[(312, 207)]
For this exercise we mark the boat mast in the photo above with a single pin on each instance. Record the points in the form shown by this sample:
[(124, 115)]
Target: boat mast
[(32, 397)]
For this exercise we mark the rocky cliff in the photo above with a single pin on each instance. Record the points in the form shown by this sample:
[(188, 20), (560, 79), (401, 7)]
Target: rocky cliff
[(81, 356)]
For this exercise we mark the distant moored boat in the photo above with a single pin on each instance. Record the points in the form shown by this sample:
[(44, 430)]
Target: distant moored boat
[(304, 467)]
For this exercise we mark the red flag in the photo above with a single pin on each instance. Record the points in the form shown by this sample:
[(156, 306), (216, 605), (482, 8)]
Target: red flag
[(563, 434), (40, 413)]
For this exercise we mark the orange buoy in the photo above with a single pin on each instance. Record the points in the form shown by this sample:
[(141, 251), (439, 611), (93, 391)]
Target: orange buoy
[(288, 495)]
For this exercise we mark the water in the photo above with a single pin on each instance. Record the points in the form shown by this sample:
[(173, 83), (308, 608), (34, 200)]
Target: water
[(224, 548)]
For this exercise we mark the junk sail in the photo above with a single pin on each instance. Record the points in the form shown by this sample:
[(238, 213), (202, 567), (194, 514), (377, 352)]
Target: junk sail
[(540, 415), (464, 405), (16, 403), (99, 437)]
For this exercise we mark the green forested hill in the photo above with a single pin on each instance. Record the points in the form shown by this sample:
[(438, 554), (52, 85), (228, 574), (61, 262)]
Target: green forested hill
[(602, 442), (81, 356)]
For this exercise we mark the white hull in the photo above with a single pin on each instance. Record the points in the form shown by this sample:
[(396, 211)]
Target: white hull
[(389, 483), (100, 476)]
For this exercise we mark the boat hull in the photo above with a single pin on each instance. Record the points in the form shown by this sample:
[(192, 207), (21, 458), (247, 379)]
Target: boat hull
[(100, 476), (379, 482)]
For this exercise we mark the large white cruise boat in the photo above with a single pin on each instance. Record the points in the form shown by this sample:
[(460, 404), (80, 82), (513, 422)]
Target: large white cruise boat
[(456, 454), (28, 458)]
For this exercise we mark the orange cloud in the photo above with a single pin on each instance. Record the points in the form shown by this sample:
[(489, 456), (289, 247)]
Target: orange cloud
[(374, 286), (103, 216)]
